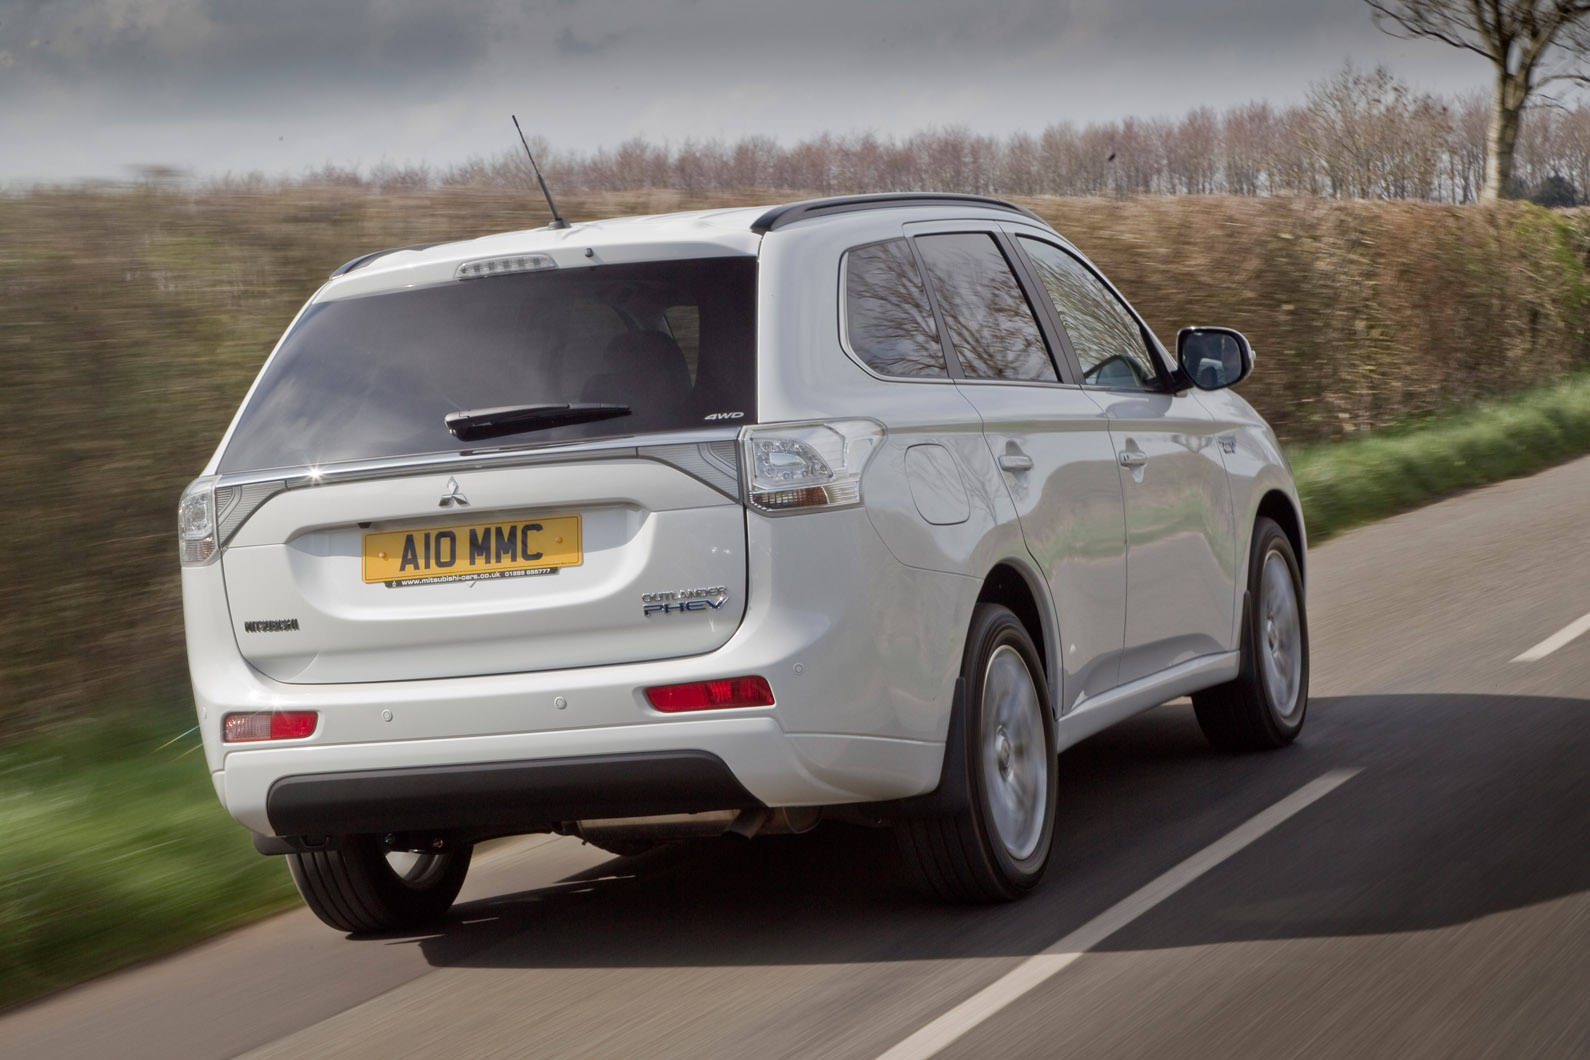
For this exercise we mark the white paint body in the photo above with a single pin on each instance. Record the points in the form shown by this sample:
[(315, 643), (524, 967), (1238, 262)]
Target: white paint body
[(856, 617)]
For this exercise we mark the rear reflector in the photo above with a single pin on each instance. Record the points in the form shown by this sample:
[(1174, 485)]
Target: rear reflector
[(711, 695), (268, 725)]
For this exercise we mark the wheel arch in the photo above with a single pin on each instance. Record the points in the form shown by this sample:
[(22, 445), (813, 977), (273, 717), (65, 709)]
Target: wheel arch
[(1015, 588), (1278, 507)]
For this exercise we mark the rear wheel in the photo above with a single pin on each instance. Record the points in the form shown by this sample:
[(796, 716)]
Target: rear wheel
[(1264, 707), (361, 885), (997, 846)]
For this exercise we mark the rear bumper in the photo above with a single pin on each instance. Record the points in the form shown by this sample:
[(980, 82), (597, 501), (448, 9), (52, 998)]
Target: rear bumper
[(861, 654), (525, 781)]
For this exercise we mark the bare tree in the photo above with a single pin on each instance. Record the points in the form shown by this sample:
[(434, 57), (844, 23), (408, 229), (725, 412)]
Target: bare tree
[(1470, 115), (1248, 135), (1530, 43)]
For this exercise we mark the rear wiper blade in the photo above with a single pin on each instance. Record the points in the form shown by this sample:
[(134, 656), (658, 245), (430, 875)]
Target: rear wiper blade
[(473, 424)]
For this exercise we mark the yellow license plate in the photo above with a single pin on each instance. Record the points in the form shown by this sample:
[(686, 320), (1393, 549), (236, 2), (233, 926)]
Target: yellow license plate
[(501, 549)]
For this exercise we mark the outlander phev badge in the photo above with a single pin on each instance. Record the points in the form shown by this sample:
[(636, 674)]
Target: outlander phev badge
[(452, 496)]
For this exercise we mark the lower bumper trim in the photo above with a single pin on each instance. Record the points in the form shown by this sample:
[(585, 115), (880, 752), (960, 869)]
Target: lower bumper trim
[(503, 797)]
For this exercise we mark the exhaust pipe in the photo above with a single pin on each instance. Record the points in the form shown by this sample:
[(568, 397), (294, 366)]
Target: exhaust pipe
[(640, 831)]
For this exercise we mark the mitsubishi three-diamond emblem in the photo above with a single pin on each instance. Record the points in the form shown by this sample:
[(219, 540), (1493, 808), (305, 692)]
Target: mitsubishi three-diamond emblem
[(452, 496)]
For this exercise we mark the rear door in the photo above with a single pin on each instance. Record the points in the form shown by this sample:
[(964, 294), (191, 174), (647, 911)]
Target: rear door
[(1049, 441)]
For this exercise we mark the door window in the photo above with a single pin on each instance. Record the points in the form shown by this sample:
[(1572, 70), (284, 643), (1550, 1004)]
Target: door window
[(991, 327), (1106, 337)]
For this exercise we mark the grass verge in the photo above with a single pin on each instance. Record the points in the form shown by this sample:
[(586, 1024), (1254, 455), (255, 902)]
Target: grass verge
[(118, 851), (1348, 483)]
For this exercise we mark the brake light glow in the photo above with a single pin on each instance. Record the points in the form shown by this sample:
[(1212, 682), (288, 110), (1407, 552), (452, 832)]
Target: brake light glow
[(711, 695), (268, 725)]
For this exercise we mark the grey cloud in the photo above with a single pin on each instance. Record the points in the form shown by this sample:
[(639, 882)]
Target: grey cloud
[(207, 82), (204, 49), (571, 45)]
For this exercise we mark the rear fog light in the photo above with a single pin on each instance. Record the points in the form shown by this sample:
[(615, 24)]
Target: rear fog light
[(711, 695), (268, 725)]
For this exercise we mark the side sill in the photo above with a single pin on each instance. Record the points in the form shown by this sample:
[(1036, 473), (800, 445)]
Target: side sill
[(1096, 713)]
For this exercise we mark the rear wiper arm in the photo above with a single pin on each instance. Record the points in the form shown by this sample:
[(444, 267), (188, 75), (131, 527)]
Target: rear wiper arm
[(473, 424)]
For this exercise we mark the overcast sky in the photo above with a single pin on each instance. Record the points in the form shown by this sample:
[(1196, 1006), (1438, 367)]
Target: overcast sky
[(89, 88)]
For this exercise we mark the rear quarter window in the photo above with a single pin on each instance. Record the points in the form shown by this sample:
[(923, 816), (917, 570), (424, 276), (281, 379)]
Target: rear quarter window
[(888, 321)]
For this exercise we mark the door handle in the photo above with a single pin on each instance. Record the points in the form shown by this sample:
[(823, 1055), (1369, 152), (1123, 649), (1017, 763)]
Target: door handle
[(1016, 462), (1013, 459), (1133, 458)]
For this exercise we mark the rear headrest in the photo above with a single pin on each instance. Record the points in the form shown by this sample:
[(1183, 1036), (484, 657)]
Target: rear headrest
[(648, 361)]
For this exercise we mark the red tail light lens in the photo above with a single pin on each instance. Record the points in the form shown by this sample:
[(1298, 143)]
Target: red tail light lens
[(268, 725), (711, 695)]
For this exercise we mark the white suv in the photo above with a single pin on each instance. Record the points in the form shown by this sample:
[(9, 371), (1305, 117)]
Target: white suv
[(861, 508)]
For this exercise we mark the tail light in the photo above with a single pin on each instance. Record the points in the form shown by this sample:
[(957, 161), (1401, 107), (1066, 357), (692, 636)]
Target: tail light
[(196, 523), (803, 466)]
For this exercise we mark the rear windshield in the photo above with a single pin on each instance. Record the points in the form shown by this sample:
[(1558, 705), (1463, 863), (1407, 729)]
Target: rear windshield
[(376, 376)]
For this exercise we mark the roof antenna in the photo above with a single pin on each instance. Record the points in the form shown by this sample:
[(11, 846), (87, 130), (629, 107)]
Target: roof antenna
[(557, 218)]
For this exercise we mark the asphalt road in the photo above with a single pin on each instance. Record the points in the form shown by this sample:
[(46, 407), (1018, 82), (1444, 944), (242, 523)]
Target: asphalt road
[(1436, 903)]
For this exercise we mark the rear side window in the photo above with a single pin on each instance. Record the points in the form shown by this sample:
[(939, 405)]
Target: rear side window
[(888, 321), (376, 376), (991, 326)]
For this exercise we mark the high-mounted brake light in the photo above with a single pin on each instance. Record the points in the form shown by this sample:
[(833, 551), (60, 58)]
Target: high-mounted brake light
[(259, 725), (711, 695), (803, 466), (474, 270)]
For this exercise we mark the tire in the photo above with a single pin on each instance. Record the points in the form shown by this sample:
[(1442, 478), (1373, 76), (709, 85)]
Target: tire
[(361, 886), (996, 846), (1265, 706)]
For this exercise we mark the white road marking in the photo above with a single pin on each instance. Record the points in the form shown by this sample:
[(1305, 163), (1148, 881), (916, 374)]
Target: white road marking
[(513, 849), (1035, 970), (1572, 631)]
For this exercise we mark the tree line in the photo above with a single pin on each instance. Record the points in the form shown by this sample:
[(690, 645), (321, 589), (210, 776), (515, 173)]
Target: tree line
[(1360, 134)]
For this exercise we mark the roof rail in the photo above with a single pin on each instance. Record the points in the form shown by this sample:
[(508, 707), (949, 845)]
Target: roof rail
[(779, 216), (364, 259)]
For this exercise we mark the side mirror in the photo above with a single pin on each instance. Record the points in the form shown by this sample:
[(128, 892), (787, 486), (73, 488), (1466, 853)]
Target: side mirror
[(1213, 358)]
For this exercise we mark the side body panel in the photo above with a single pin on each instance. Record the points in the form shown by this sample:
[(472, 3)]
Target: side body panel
[(812, 376)]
